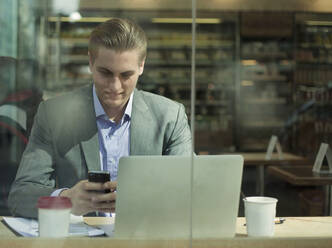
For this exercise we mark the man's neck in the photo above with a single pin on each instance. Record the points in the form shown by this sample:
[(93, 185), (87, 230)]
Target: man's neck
[(115, 114)]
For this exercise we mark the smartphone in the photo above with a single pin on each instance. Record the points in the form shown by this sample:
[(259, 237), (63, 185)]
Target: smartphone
[(99, 177)]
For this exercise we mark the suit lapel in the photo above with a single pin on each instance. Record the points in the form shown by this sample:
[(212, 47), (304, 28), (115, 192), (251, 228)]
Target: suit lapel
[(89, 141), (140, 135), (90, 149), (139, 131)]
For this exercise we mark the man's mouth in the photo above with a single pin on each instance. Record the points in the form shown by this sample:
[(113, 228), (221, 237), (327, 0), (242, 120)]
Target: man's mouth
[(113, 94)]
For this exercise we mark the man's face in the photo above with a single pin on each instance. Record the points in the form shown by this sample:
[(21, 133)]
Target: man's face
[(115, 76)]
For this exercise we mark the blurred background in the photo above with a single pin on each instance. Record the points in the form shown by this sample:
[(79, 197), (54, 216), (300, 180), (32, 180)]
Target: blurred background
[(262, 68)]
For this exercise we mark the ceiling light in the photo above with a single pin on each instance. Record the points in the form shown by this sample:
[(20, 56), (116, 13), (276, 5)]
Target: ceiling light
[(187, 20), (75, 16)]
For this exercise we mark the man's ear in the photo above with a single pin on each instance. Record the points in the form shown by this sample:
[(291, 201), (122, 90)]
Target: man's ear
[(90, 61), (141, 67)]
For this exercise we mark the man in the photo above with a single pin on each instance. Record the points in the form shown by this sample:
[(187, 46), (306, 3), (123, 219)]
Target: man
[(91, 128)]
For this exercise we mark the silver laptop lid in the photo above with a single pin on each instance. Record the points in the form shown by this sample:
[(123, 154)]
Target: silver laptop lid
[(153, 196)]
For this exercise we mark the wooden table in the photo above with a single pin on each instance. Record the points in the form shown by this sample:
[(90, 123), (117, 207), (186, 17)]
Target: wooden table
[(259, 160), (292, 226), (303, 175), (295, 232), (295, 227)]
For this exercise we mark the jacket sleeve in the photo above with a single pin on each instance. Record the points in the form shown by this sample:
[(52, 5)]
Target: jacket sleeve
[(35, 175), (179, 142)]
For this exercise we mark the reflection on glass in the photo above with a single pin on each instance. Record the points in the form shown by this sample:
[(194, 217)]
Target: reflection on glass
[(258, 74), (274, 82), (80, 118), (215, 83)]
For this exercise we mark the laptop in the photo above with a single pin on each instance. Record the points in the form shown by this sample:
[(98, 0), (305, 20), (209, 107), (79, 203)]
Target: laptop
[(153, 196)]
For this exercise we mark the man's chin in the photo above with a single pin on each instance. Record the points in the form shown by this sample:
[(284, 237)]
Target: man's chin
[(114, 104)]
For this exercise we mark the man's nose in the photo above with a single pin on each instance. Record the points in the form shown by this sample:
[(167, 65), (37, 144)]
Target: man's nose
[(115, 83)]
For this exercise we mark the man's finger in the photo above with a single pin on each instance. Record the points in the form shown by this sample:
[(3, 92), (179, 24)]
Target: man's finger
[(109, 197), (104, 205), (91, 186), (111, 185)]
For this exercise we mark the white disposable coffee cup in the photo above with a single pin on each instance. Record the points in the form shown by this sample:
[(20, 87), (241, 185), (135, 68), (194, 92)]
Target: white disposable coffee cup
[(260, 213), (54, 216)]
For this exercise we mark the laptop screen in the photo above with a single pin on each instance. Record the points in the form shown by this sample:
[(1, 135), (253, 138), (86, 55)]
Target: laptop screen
[(155, 200)]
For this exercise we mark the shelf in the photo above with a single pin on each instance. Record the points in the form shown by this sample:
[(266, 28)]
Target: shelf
[(185, 85), (187, 63), (187, 46), (182, 43), (74, 81), (266, 71), (266, 101), (312, 76), (267, 79), (71, 42), (312, 83), (206, 102), (263, 124), (266, 56), (75, 59), (312, 63), (166, 81), (226, 117), (314, 45), (317, 104), (152, 45)]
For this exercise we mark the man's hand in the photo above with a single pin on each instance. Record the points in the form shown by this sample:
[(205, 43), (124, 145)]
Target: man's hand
[(88, 197), (105, 202)]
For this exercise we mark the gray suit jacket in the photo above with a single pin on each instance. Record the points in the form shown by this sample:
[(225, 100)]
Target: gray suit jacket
[(63, 145)]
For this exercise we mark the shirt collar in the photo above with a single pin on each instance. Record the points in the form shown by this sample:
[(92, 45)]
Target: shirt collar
[(100, 110)]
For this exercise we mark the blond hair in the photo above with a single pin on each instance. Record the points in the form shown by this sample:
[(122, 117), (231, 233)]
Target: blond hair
[(119, 35)]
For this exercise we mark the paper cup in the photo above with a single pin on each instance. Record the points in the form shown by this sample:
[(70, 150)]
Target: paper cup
[(260, 213), (54, 216)]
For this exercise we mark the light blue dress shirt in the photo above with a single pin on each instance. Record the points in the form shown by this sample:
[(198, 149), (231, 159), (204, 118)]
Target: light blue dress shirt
[(114, 139)]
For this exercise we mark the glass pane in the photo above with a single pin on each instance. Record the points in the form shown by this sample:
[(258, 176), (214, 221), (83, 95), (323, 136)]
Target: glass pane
[(51, 62), (262, 77), (263, 91), (21, 77), (217, 179), (215, 81)]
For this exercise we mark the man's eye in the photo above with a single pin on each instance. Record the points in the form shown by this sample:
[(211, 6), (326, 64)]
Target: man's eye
[(126, 75), (104, 72)]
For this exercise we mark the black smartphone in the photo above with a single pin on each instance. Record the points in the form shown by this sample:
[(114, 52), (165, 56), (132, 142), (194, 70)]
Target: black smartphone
[(99, 177)]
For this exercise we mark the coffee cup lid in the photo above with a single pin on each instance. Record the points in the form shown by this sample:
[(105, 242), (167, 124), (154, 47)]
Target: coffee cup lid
[(54, 202)]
